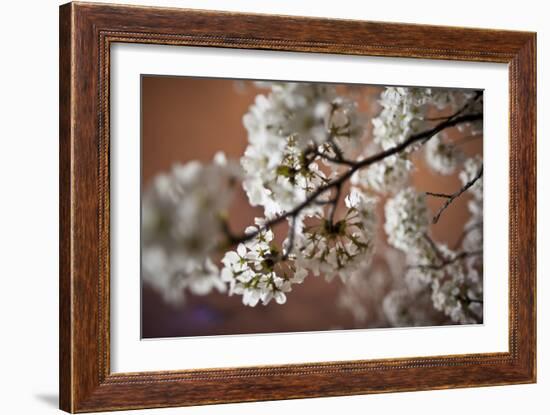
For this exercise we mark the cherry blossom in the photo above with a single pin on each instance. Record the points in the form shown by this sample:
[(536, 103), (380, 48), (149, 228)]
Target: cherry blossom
[(320, 175)]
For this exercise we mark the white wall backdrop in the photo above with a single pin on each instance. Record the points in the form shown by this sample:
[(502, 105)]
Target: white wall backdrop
[(29, 207)]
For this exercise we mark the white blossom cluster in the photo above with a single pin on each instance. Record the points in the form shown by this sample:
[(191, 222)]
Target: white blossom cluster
[(379, 295), (279, 181), (404, 114), (391, 174), (455, 287), (406, 219), (404, 111), (457, 300), (292, 121), (442, 157), (171, 274), (345, 126), (454, 280), (181, 226), (405, 308), (254, 272), (340, 247)]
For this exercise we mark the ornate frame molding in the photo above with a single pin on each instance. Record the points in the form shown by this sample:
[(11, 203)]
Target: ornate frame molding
[(86, 33)]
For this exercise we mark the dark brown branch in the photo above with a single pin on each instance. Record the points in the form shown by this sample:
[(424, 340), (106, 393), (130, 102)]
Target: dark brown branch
[(434, 247), (468, 300), (452, 197), (337, 150), (468, 104), (478, 95), (443, 117), (462, 110), (422, 136), (335, 160), (442, 195)]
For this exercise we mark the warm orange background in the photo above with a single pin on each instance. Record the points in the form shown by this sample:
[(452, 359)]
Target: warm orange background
[(187, 119)]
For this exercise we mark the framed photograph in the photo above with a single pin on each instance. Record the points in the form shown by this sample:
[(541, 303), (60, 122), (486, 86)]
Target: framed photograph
[(260, 207)]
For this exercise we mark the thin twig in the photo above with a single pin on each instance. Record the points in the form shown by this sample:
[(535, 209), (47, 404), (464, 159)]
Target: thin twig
[(434, 247), (443, 117), (451, 198), (442, 195)]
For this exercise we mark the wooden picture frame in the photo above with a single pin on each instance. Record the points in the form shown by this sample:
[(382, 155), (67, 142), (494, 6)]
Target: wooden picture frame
[(86, 33)]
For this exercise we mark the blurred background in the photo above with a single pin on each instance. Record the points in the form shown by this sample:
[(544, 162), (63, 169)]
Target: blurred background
[(186, 119)]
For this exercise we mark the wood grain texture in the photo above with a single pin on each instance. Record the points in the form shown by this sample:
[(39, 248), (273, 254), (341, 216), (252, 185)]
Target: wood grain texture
[(86, 33), (65, 251)]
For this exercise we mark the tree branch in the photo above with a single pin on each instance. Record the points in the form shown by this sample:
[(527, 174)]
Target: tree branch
[(451, 198), (434, 247), (453, 121), (442, 195), (335, 160), (468, 300)]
